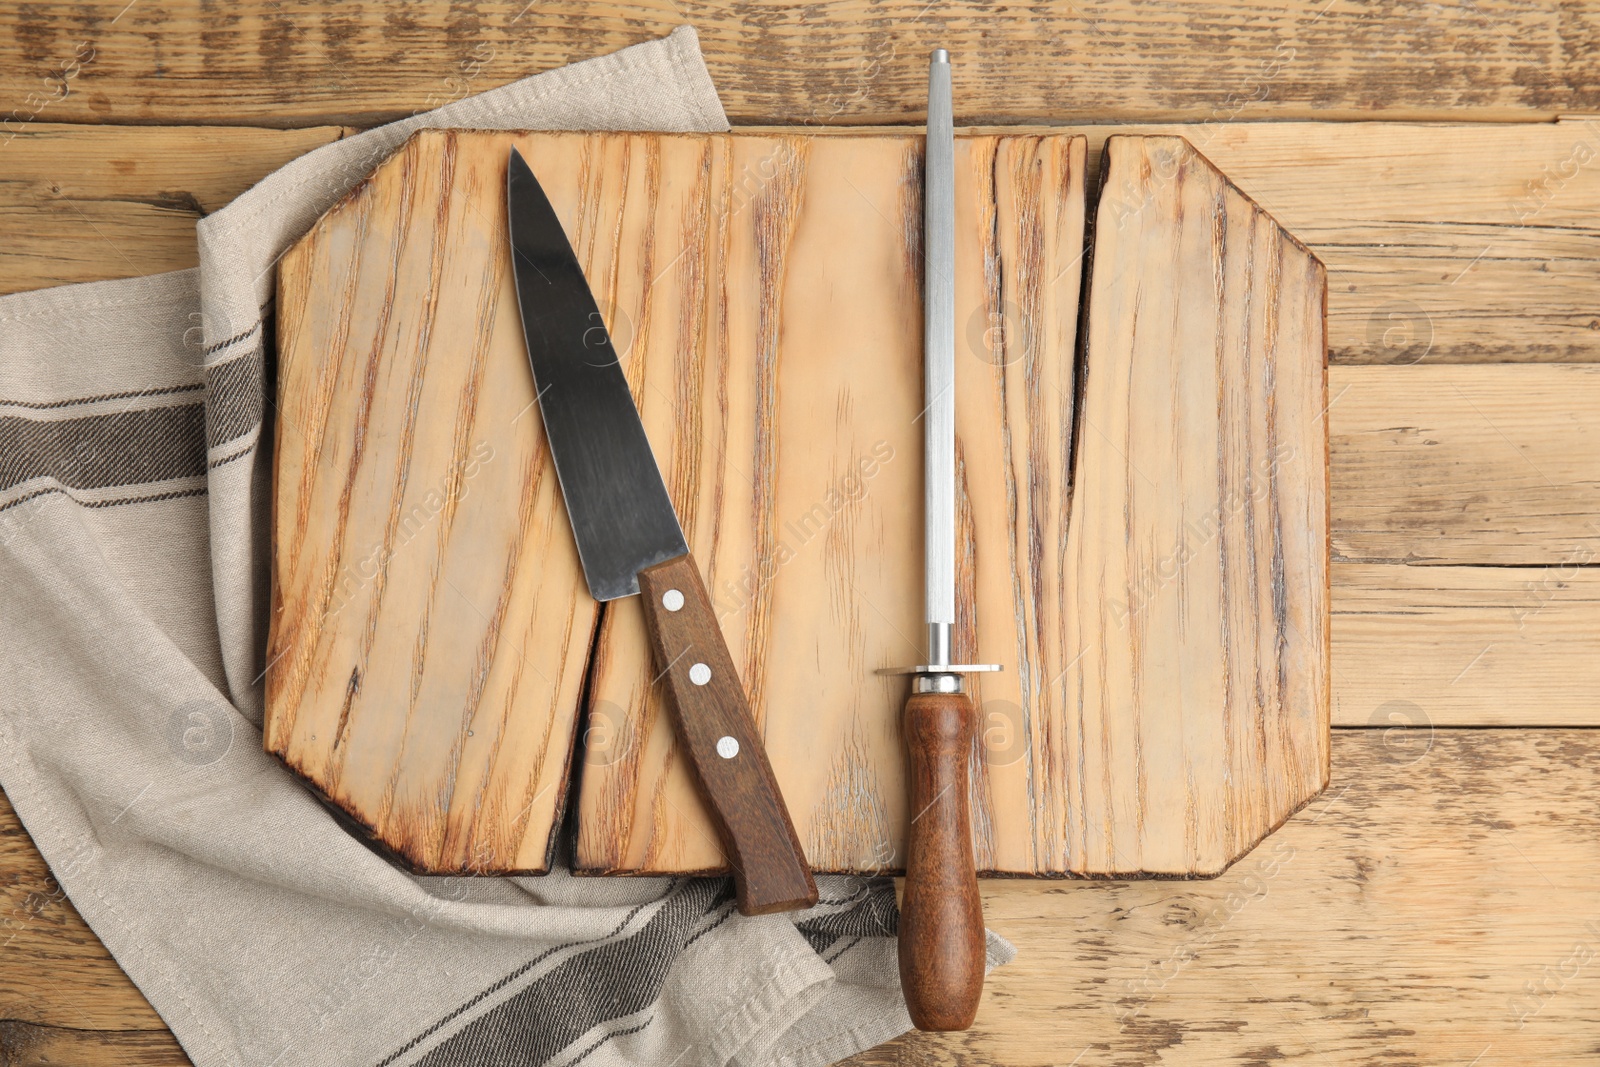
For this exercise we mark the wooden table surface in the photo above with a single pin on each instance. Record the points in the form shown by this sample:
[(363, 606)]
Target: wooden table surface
[(1440, 903)]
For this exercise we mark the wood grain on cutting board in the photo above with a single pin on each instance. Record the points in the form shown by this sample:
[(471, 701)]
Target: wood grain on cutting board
[(429, 621), (1165, 698)]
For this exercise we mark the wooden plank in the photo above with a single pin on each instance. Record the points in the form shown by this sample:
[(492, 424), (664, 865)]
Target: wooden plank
[(854, 61), (1503, 275), (1425, 647), (1274, 961), (813, 485), (1434, 906), (1466, 465), (86, 203), (429, 622), (1194, 574), (30, 1045)]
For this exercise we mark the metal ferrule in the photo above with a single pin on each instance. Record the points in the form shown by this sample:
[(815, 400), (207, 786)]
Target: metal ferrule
[(937, 683)]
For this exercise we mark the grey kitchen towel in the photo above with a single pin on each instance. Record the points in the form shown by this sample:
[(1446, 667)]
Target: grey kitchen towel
[(135, 429)]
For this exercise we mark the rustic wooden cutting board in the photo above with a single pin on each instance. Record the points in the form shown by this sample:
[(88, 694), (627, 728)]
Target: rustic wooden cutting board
[(1145, 543)]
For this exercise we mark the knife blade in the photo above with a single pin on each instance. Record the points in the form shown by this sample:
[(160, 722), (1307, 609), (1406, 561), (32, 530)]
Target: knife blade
[(630, 542), (941, 914)]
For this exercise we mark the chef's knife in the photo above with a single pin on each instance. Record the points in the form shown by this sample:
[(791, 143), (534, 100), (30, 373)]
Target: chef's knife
[(630, 542), (941, 915)]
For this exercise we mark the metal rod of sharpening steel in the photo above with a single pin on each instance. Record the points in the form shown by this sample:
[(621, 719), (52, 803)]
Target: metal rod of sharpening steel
[(939, 360)]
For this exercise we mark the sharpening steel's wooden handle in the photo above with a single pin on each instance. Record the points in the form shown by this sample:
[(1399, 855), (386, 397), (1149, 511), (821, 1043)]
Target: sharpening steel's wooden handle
[(941, 914), (769, 869)]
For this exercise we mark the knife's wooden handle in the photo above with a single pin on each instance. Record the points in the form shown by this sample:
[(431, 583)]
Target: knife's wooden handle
[(719, 734), (941, 914)]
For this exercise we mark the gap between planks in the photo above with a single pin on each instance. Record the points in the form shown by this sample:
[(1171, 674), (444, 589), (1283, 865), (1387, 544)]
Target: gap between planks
[(849, 61)]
